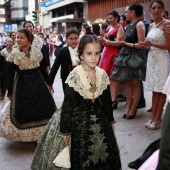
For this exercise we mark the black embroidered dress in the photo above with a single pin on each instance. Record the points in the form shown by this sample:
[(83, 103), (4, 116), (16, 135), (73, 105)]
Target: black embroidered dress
[(93, 144), (32, 104)]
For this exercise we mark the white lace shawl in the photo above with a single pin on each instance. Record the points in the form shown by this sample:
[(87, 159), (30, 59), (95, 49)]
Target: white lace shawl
[(79, 81), (37, 42), (5, 53), (19, 58)]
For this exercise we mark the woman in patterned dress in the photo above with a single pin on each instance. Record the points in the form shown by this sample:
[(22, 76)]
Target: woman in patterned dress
[(158, 63)]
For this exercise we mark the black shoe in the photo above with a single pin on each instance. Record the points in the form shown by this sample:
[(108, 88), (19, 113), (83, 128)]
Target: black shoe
[(120, 96), (135, 164), (124, 115), (122, 99), (131, 116), (114, 105), (142, 105)]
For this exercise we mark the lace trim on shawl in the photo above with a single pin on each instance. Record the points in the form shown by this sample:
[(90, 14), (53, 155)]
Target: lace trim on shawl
[(79, 81), (37, 42), (24, 63), (5, 53)]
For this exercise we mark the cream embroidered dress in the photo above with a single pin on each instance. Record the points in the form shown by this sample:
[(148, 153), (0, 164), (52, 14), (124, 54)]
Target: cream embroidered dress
[(89, 122), (158, 63), (32, 104)]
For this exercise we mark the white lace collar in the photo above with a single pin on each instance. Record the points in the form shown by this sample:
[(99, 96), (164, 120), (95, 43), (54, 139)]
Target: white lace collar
[(79, 81), (5, 53), (37, 42), (19, 58)]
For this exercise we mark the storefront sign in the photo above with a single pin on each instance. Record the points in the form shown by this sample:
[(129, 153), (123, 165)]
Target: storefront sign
[(51, 2)]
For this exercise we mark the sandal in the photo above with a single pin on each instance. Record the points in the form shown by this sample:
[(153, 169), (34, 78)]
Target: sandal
[(148, 123), (154, 125)]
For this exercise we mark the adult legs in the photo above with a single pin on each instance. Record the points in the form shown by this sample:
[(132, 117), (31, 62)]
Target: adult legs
[(133, 95), (114, 88), (141, 103), (158, 101)]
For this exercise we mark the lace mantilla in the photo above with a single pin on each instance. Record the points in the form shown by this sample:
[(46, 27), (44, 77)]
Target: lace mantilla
[(37, 42), (79, 81), (5, 53), (19, 58)]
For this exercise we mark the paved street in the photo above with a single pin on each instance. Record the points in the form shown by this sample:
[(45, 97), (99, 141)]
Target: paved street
[(132, 137)]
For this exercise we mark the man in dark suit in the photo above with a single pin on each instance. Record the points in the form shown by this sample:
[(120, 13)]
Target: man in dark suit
[(65, 58)]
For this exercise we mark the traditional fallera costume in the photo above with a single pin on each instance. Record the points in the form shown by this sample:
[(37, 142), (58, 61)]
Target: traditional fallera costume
[(32, 104), (86, 115)]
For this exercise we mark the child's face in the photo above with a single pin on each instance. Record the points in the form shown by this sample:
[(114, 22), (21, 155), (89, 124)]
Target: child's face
[(9, 43), (72, 40), (91, 55)]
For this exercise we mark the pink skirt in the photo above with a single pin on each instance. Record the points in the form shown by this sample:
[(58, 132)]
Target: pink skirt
[(166, 89), (151, 163)]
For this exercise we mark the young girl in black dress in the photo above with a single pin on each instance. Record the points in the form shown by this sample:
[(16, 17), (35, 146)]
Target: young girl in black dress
[(85, 122)]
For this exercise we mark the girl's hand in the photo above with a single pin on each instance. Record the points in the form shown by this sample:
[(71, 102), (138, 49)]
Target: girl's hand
[(66, 140)]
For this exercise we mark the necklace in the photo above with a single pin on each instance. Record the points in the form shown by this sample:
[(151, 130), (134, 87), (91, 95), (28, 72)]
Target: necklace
[(93, 87), (26, 54), (156, 25), (134, 22)]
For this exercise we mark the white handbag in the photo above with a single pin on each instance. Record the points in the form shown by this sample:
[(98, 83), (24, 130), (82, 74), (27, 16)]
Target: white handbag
[(63, 159)]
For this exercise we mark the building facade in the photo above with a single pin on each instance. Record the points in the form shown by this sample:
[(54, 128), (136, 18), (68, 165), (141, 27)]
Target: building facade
[(104, 6), (58, 15)]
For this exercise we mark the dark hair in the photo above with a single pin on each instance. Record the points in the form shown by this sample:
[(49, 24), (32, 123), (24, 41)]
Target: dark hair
[(60, 38), (96, 28), (86, 39), (85, 25), (40, 33), (28, 22), (138, 8), (156, 1), (124, 18), (166, 12), (27, 33), (12, 33), (72, 30), (104, 25), (114, 14), (88, 30)]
